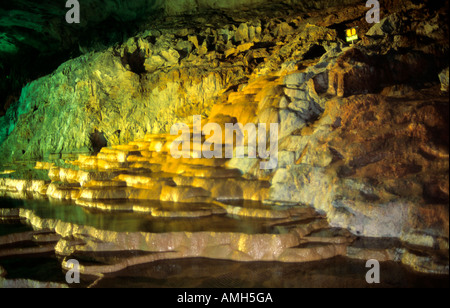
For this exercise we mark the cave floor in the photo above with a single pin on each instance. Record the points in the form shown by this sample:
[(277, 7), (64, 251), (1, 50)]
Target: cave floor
[(33, 249), (132, 216), (339, 272)]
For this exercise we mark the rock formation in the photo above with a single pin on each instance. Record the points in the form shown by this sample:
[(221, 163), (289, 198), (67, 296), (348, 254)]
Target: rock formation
[(363, 138)]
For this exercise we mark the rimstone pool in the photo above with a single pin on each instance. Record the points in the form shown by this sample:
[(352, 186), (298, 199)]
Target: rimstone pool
[(224, 144), (235, 244), (134, 216)]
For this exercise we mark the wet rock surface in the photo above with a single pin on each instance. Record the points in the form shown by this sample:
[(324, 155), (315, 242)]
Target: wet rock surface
[(107, 257)]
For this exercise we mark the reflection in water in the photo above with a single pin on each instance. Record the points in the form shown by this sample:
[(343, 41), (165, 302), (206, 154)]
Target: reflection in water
[(40, 268), (7, 228), (206, 273), (338, 272), (192, 273), (135, 222)]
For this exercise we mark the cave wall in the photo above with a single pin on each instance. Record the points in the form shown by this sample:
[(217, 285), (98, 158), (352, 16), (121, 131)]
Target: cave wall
[(364, 129), (48, 41), (35, 38), (180, 66)]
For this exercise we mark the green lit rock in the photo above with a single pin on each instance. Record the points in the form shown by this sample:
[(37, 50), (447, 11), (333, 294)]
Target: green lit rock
[(99, 100), (363, 137)]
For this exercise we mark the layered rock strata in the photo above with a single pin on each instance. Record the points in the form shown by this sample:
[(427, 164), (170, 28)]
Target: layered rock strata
[(363, 140)]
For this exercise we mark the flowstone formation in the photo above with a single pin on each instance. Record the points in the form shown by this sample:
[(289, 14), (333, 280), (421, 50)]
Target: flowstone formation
[(362, 167)]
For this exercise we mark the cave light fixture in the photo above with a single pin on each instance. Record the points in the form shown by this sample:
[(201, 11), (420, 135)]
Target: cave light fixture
[(351, 35)]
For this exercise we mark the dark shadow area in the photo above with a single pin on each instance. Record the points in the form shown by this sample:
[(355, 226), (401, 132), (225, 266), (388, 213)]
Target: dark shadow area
[(98, 141), (35, 39), (315, 52), (136, 61)]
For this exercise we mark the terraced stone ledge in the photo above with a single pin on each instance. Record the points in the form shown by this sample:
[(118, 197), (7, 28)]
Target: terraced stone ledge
[(302, 241)]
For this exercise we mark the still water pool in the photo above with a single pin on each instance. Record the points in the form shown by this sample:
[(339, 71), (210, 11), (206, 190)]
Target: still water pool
[(197, 272)]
